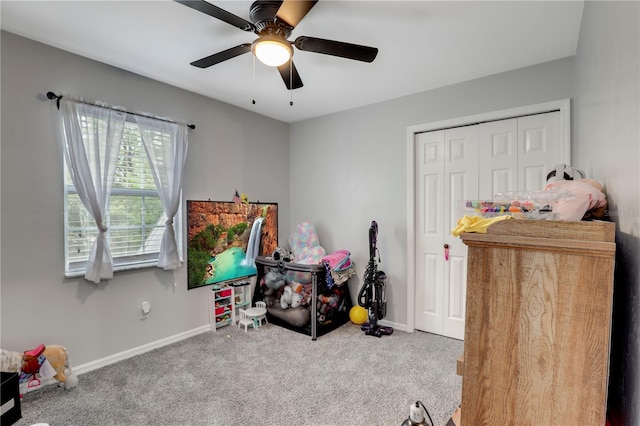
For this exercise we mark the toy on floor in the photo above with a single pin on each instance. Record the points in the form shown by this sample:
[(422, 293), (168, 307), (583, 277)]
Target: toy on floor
[(358, 315), (42, 362)]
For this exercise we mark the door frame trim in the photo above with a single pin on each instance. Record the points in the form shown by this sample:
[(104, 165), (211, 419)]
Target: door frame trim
[(562, 105)]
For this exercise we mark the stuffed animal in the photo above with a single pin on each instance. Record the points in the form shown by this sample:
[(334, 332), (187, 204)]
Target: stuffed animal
[(290, 298), (304, 290), (282, 253), (330, 301), (31, 364), (586, 200), (274, 279)]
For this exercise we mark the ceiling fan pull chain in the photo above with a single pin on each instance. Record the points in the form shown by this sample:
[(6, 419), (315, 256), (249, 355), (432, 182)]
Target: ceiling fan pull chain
[(291, 82), (253, 101)]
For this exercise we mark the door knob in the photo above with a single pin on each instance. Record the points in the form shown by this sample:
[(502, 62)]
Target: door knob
[(446, 252)]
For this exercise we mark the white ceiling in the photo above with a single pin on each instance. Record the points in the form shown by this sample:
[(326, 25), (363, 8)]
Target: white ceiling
[(422, 45)]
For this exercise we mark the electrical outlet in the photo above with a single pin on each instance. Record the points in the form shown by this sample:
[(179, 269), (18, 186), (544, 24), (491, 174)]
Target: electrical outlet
[(145, 308)]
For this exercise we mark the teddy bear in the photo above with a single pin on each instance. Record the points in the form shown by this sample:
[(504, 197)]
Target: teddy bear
[(273, 280), (290, 298)]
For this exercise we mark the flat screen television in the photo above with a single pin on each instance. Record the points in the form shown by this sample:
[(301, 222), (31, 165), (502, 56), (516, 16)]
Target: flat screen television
[(224, 238)]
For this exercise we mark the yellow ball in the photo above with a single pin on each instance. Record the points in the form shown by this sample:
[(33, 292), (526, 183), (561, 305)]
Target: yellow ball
[(358, 315)]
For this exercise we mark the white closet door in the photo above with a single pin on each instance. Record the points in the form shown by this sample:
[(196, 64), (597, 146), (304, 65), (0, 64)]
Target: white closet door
[(498, 157), (447, 174), (429, 148), (538, 149), (461, 184)]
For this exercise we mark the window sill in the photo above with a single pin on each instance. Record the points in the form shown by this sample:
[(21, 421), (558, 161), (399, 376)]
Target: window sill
[(117, 268)]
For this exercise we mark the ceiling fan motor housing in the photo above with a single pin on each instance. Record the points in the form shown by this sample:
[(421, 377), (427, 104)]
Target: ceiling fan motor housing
[(263, 15)]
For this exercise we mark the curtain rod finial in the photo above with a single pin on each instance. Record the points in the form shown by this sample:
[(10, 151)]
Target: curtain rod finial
[(51, 95)]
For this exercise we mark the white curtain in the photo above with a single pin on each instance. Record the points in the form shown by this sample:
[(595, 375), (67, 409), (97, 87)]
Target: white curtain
[(92, 138), (166, 146)]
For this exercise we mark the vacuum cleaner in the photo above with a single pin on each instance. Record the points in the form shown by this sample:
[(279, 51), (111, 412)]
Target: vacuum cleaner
[(373, 294)]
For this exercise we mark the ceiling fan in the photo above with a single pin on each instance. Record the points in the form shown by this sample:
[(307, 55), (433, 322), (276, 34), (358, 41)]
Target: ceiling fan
[(273, 22)]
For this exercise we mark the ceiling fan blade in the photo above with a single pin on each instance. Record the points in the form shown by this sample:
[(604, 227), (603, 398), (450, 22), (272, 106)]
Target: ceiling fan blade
[(216, 12), (290, 76), (337, 48), (216, 58), (291, 12)]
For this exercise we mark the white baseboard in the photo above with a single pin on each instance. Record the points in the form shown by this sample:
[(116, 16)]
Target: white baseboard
[(111, 359), (395, 325)]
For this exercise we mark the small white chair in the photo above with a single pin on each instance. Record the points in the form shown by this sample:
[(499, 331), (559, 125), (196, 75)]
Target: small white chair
[(262, 317), (244, 320)]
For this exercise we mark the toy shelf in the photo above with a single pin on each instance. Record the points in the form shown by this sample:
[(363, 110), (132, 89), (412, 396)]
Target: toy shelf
[(221, 307), (242, 294)]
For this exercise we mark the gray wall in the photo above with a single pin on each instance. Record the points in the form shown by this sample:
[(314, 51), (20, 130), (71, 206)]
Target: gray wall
[(607, 142), (230, 148), (360, 161)]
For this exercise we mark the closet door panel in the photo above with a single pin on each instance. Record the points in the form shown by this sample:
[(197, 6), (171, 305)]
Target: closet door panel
[(538, 149), (429, 231), (498, 157), (461, 184)]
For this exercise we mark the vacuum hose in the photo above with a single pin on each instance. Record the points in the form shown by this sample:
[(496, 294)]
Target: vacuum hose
[(366, 295)]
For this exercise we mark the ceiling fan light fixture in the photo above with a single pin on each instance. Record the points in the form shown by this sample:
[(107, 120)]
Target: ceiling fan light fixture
[(272, 51)]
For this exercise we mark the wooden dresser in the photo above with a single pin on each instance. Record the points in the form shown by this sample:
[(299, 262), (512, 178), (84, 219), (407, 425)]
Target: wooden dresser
[(538, 323)]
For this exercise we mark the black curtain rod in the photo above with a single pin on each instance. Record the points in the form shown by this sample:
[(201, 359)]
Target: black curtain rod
[(51, 95)]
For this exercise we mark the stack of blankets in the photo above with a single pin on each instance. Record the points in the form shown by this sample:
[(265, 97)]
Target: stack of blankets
[(339, 268)]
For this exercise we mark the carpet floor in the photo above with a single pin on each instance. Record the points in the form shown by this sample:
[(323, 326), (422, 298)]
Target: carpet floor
[(270, 376)]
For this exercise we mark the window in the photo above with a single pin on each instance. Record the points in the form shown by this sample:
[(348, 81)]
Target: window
[(135, 219)]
